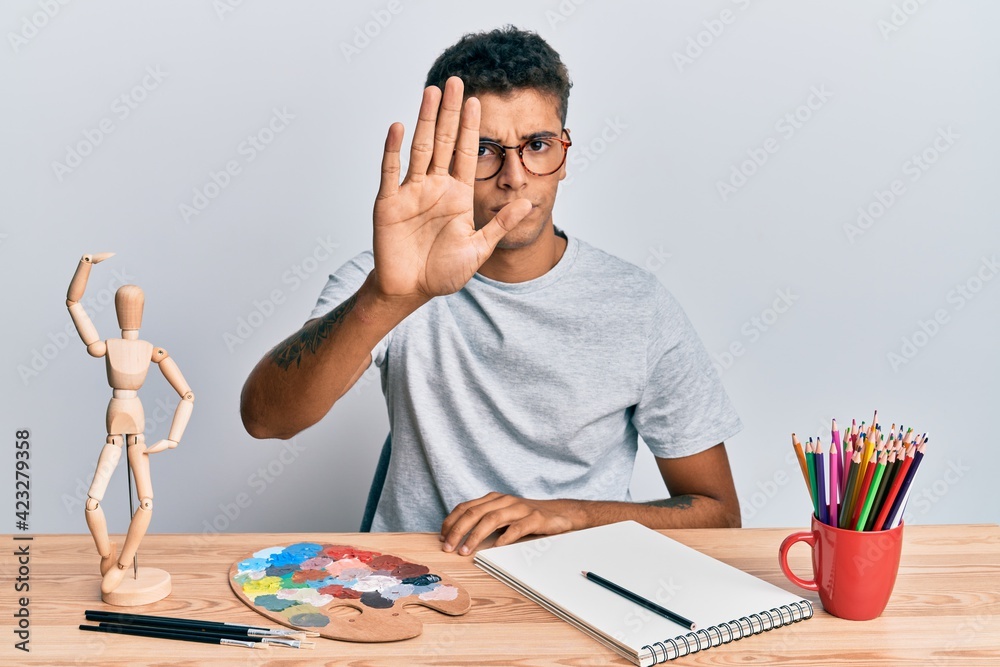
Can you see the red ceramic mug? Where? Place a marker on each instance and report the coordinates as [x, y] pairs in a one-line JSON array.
[[854, 571]]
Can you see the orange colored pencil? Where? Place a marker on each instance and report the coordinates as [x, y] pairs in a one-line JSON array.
[[863, 491], [863, 448], [800, 455]]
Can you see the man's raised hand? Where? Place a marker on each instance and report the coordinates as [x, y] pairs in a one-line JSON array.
[[426, 243]]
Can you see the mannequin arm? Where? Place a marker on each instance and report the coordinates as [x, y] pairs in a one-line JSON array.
[[183, 412], [77, 286]]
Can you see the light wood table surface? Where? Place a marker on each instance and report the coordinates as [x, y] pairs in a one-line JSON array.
[[945, 608]]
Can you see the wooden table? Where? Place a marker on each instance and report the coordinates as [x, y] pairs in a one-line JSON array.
[[945, 608]]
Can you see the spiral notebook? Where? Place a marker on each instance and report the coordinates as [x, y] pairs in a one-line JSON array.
[[725, 603]]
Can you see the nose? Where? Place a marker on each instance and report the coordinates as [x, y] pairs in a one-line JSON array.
[[512, 175]]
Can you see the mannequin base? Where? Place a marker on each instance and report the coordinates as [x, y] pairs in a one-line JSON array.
[[152, 585]]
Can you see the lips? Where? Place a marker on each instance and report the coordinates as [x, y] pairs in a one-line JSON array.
[[497, 209]]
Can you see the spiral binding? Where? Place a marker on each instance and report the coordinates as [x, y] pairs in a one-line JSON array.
[[742, 627]]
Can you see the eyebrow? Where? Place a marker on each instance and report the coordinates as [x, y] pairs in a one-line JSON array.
[[542, 134]]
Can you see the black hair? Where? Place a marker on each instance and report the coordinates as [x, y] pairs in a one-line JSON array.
[[502, 61]]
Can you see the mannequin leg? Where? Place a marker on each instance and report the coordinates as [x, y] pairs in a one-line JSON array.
[[139, 461], [96, 522]]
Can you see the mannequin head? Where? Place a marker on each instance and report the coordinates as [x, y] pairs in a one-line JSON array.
[[129, 301]]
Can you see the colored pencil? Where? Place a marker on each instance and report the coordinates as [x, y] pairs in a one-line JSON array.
[[893, 492], [639, 600], [821, 485], [880, 492], [834, 482], [872, 489], [893, 468], [801, 456], [852, 474], [870, 441], [811, 464], [861, 448], [862, 491], [896, 513]]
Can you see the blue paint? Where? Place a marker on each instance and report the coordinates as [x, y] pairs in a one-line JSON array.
[[422, 580], [375, 600], [280, 570], [252, 564], [273, 602]]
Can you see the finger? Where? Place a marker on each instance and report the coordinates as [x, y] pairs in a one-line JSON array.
[[423, 135], [529, 525], [460, 509], [492, 521], [468, 519], [467, 149], [506, 219], [101, 256], [389, 185], [446, 131]]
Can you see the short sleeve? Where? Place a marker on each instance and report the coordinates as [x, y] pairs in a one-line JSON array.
[[341, 285], [684, 408]]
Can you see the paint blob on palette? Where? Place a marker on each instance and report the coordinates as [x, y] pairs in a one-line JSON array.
[[298, 584]]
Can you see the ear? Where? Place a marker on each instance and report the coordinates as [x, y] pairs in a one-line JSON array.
[[562, 169]]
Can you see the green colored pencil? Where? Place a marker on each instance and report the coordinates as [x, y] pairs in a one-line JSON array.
[[870, 498], [812, 476]]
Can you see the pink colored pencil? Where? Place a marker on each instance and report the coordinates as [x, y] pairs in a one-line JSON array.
[[834, 481]]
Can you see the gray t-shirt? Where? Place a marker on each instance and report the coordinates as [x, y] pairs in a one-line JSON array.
[[537, 389]]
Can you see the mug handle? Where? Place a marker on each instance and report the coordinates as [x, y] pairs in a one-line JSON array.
[[810, 539]]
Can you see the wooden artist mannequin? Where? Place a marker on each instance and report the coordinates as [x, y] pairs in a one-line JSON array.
[[128, 360]]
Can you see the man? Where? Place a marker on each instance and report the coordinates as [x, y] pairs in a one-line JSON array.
[[518, 363]]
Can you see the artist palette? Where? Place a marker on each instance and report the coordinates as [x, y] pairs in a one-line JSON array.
[[300, 585]]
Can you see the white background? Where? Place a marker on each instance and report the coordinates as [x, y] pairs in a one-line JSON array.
[[654, 136]]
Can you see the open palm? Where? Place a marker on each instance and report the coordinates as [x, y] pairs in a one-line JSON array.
[[426, 243]]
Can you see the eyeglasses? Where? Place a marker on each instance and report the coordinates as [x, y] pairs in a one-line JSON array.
[[540, 157]]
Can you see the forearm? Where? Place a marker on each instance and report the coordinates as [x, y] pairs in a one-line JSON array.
[[687, 511], [84, 326], [298, 381]]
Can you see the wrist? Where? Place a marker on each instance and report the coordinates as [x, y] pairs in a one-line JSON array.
[[578, 512], [377, 304]]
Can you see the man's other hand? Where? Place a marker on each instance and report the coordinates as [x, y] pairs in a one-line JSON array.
[[477, 519]]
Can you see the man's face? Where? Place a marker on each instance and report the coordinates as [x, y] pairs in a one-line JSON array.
[[510, 120]]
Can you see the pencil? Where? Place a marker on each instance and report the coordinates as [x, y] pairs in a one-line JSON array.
[[800, 455], [834, 481], [180, 635], [862, 493], [880, 492], [811, 463], [858, 474], [821, 485], [893, 492], [852, 481], [835, 434], [639, 600], [870, 496], [896, 513]]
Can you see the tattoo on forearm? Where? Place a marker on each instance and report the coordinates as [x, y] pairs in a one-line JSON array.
[[677, 502], [290, 350]]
